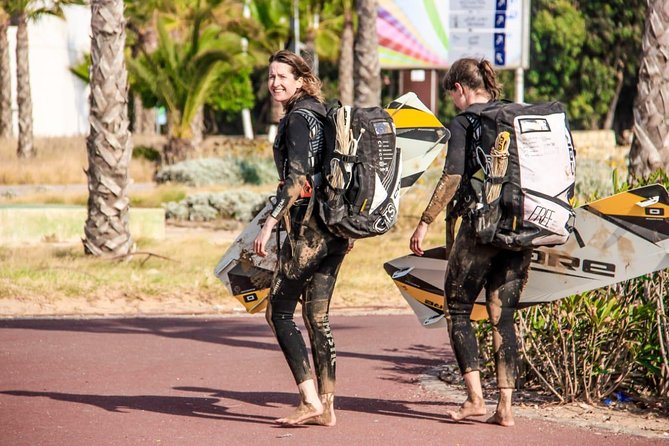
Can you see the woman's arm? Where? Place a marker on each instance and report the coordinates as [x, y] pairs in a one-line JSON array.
[[447, 185], [297, 164], [297, 159]]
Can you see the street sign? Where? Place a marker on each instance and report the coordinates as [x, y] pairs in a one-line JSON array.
[[432, 33]]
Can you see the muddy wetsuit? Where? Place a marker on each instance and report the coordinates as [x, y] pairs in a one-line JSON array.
[[310, 257], [473, 265]]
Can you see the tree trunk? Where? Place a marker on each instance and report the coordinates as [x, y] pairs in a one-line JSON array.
[[346, 61], [650, 147], [367, 67], [197, 129], [176, 149], [23, 97], [107, 232], [145, 118], [310, 53], [276, 113], [5, 81], [620, 79]]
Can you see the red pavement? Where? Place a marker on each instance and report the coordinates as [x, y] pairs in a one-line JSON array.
[[221, 381]]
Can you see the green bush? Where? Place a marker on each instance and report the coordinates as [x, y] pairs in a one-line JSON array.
[[222, 171], [585, 347], [147, 153], [208, 206]]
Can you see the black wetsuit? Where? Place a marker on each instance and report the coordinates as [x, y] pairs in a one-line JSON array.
[[473, 265], [311, 256]]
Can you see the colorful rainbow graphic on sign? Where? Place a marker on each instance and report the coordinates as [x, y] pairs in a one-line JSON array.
[[412, 34], [425, 34]]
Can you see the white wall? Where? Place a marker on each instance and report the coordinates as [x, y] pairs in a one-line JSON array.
[[60, 100]]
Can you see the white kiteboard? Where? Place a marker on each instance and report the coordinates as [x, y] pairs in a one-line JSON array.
[[420, 136], [616, 238]]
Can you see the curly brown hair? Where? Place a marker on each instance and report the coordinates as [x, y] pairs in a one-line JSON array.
[[311, 84]]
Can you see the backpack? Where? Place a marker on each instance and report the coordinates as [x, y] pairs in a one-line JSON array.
[[357, 189], [534, 207]]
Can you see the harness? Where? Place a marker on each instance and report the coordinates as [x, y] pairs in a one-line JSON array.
[[314, 177]]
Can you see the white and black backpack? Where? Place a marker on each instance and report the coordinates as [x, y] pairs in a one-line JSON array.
[[535, 204], [357, 190]]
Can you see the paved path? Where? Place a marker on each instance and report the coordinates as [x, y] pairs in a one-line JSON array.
[[221, 381]]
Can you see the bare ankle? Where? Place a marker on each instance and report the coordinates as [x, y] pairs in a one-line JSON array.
[[327, 418]]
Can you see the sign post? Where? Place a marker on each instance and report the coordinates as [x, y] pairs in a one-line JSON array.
[[433, 34]]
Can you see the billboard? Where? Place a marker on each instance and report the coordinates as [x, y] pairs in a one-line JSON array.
[[434, 33]]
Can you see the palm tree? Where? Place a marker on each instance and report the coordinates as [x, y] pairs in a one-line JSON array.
[[141, 25], [184, 73], [5, 79], [269, 31], [367, 69], [346, 84], [23, 11], [23, 96], [650, 148], [107, 232]]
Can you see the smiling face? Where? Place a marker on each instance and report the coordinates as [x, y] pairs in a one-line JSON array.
[[282, 84]]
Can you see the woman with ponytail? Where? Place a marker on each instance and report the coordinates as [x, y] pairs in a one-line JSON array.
[[472, 84]]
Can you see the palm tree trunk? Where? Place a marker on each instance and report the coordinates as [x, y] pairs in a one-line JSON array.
[[197, 129], [346, 60], [650, 147], [177, 149], [23, 97], [107, 231], [367, 67], [179, 140], [276, 113], [620, 80], [145, 118], [5, 81]]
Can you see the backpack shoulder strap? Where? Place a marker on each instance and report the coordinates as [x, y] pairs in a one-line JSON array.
[[316, 140]]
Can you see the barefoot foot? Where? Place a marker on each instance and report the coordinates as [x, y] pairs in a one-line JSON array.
[[503, 419], [327, 418], [469, 408], [304, 412]]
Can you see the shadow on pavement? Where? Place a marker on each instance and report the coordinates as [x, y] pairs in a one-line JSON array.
[[172, 405], [233, 333], [213, 406]]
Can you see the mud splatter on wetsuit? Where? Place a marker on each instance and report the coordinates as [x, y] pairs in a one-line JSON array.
[[472, 265], [310, 264]]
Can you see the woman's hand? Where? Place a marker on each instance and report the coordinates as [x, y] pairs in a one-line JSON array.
[[263, 236], [417, 238]]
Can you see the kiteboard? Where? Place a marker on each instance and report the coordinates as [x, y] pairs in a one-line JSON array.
[[420, 136], [616, 238]]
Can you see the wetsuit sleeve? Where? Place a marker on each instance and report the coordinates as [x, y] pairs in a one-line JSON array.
[[297, 164], [454, 169]]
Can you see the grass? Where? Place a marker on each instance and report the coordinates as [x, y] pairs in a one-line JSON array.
[[58, 161], [52, 273], [182, 269], [39, 279]]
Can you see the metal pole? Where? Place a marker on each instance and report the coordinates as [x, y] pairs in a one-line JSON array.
[[520, 85], [317, 22], [525, 54], [296, 26], [246, 113]]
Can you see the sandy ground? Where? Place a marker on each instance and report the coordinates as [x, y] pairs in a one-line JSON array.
[[625, 419]]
